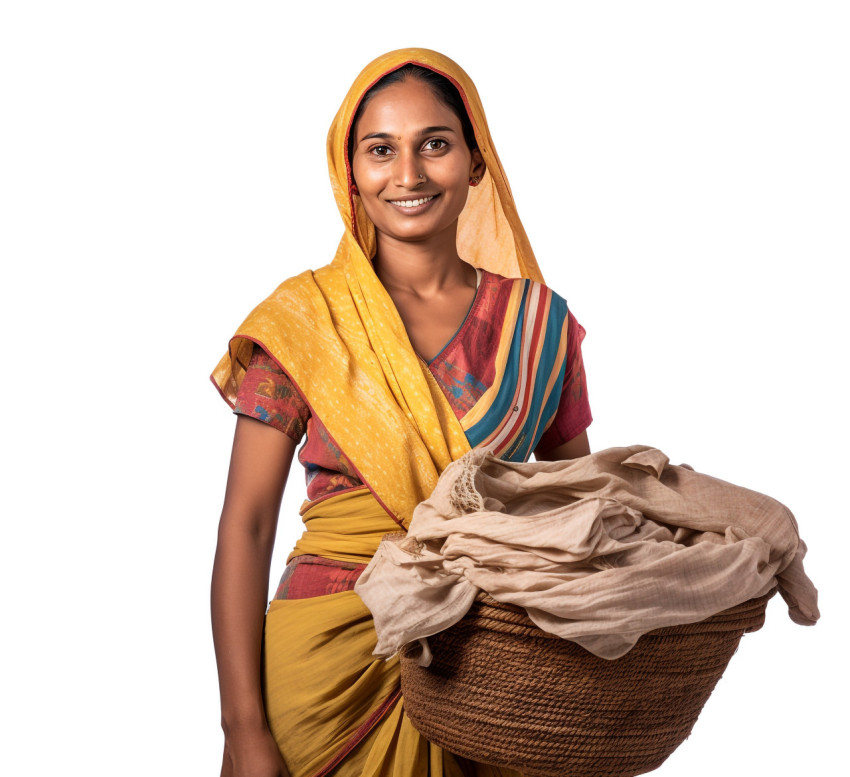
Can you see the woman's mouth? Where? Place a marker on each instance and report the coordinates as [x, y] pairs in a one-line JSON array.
[[412, 206]]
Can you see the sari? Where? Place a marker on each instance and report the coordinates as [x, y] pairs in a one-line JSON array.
[[331, 705]]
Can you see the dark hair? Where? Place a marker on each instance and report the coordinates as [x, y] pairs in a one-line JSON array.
[[443, 89]]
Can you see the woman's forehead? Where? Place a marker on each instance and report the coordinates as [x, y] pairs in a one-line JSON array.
[[405, 108]]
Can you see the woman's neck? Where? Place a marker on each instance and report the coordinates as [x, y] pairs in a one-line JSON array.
[[422, 269]]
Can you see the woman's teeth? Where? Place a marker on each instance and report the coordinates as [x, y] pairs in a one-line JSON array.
[[412, 203]]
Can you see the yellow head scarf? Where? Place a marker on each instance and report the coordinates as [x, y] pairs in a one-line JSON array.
[[338, 335]]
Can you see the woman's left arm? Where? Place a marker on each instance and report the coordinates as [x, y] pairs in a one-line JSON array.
[[572, 449]]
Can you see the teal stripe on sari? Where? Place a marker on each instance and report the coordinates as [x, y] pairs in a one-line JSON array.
[[538, 407]]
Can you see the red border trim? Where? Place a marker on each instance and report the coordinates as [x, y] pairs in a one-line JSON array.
[[358, 736]]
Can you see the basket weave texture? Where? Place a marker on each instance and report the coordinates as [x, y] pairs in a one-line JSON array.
[[502, 691]]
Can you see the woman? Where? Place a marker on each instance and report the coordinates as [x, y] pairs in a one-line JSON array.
[[430, 333]]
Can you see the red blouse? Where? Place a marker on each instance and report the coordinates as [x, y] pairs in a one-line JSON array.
[[464, 370]]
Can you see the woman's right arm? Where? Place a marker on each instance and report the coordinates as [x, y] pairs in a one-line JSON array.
[[259, 466]]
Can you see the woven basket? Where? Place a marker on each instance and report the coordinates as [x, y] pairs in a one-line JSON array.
[[501, 691]]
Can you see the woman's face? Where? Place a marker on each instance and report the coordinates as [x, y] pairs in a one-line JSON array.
[[410, 162]]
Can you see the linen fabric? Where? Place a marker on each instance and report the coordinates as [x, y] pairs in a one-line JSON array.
[[598, 550]]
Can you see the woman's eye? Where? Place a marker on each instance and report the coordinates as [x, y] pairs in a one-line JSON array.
[[436, 144], [381, 150]]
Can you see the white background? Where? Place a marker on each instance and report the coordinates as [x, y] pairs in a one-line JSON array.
[[682, 171]]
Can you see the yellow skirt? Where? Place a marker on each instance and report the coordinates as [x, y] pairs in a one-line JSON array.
[[332, 707]]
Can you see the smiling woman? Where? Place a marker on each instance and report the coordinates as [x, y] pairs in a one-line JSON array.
[[412, 169], [409, 151], [429, 334]]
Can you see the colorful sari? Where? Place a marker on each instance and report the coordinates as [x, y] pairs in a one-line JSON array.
[[333, 707]]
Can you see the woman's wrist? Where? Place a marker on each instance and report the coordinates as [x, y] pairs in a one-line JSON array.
[[249, 720]]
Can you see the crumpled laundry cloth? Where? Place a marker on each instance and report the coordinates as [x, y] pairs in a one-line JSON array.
[[598, 550]]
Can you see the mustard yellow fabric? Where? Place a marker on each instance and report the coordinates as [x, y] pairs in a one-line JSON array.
[[320, 679], [345, 527], [333, 707], [338, 335]]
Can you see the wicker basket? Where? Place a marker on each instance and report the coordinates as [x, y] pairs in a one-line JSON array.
[[502, 691]]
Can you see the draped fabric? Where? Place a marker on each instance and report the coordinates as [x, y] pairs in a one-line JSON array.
[[464, 368], [511, 416], [598, 550], [331, 705]]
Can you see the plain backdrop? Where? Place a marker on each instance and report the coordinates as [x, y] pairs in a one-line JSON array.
[[682, 171]]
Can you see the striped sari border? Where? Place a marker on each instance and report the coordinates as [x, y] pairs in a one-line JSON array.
[[510, 417]]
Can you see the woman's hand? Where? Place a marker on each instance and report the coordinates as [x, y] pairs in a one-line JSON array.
[[252, 754]]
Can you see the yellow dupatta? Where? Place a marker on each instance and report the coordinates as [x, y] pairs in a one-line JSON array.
[[339, 336]]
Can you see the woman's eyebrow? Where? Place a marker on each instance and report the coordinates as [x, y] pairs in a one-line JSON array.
[[429, 130], [388, 136]]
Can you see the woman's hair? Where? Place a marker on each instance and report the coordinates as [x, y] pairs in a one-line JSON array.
[[443, 89]]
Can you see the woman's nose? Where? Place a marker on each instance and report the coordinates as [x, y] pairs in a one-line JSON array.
[[407, 169]]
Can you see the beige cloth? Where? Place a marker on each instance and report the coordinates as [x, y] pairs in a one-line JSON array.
[[598, 550]]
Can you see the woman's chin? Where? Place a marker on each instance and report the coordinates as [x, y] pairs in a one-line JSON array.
[[411, 229]]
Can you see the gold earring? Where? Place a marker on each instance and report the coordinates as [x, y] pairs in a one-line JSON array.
[[474, 181]]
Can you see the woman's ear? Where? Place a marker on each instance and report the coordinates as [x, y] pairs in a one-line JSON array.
[[477, 168]]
